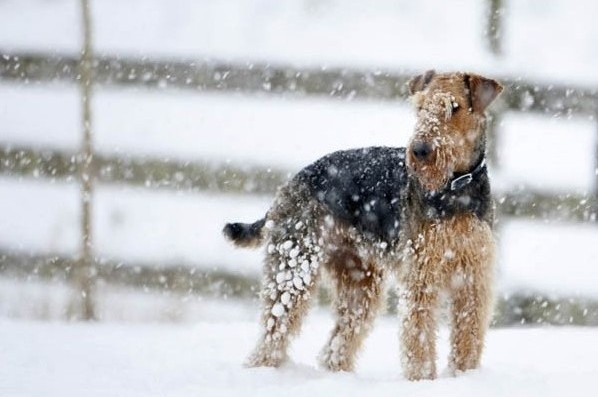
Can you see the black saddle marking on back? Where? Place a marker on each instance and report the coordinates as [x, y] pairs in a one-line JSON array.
[[367, 188]]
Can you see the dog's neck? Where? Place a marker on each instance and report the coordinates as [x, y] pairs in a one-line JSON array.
[[462, 179], [464, 193]]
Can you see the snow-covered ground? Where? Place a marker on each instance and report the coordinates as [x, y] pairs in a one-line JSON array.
[[204, 359]]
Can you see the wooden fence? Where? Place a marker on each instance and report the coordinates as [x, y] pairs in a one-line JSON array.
[[257, 79], [261, 79]]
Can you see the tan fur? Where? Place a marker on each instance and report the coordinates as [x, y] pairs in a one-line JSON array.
[[434, 259], [453, 256], [448, 257], [290, 272], [358, 292], [452, 131]]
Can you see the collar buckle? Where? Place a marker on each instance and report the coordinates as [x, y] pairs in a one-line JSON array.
[[461, 182], [464, 180]]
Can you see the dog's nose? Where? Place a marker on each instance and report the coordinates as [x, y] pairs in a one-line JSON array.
[[421, 150]]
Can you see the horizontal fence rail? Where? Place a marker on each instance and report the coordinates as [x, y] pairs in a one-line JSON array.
[[518, 308], [146, 172], [167, 276], [520, 95], [229, 179]]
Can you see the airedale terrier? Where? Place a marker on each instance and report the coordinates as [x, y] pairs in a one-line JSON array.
[[423, 212]]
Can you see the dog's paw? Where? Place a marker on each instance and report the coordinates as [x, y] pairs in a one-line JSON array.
[[421, 373], [332, 361], [265, 359]]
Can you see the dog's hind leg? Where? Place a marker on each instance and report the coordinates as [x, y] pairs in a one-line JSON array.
[[290, 274], [358, 293]]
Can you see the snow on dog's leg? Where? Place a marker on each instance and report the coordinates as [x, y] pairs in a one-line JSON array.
[[358, 290], [291, 269]]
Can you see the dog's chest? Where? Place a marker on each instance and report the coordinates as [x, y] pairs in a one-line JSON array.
[[459, 241]]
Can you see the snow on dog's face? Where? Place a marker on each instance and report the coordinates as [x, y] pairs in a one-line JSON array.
[[449, 133]]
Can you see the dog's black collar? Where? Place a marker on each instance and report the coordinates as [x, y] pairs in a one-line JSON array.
[[464, 193], [459, 182]]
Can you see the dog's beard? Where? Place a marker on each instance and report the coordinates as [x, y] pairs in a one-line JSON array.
[[433, 175]]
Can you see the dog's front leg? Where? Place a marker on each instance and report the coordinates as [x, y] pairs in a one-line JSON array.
[[471, 295], [419, 324]]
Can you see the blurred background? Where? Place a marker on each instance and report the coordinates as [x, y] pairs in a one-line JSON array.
[[132, 130]]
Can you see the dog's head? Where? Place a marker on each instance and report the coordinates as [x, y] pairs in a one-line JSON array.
[[449, 133]]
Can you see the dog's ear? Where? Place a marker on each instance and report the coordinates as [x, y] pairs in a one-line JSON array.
[[482, 91], [418, 83]]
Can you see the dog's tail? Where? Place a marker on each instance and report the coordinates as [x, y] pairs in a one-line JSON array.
[[248, 235]]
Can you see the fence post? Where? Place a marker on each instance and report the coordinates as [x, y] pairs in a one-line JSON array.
[[594, 214], [492, 126], [493, 26], [85, 273]]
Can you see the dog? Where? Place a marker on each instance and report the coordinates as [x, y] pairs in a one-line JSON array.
[[423, 213]]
